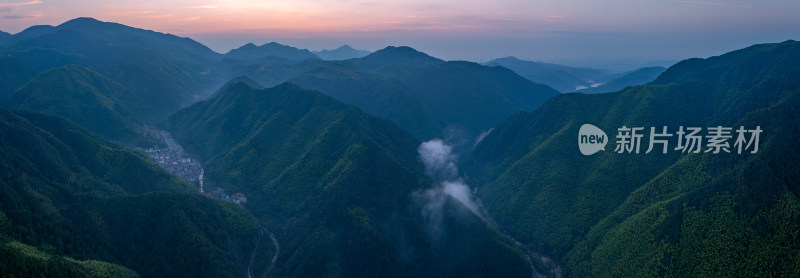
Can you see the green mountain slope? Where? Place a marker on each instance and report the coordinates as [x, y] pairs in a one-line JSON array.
[[242, 78], [165, 71], [336, 186], [382, 96], [269, 71], [164, 44], [674, 214], [474, 97], [164, 83], [13, 74], [21, 260], [428, 97], [89, 99], [68, 193]]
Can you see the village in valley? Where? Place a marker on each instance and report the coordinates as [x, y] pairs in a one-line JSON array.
[[175, 161]]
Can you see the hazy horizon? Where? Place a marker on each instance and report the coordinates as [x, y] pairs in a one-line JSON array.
[[614, 35]]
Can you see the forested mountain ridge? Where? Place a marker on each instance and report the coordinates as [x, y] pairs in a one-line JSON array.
[[69, 193], [428, 97], [654, 214], [165, 71], [338, 161], [89, 99], [335, 184]]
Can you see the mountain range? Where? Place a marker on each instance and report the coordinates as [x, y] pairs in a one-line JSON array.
[[673, 214], [425, 95], [335, 184], [165, 71], [571, 79], [391, 164]]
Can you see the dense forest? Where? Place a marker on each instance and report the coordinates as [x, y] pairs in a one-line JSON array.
[[676, 214], [74, 203], [385, 164]]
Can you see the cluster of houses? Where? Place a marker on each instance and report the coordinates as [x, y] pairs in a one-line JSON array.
[[177, 163], [173, 159]]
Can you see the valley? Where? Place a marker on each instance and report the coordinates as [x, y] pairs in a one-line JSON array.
[[134, 153], [179, 164]]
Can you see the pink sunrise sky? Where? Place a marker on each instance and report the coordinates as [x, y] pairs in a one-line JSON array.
[[467, 29]]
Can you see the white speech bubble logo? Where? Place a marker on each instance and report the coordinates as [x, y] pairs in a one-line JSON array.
[[591, 139]]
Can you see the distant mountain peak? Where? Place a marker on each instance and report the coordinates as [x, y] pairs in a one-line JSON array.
[[400, 53], [343, 52], [404, 50], [121, 35], [243, 79], [235, 84], [32, 32], [509, 58], [252, 52], [88, 22], [83, 20], [278, 45], [401, 49]]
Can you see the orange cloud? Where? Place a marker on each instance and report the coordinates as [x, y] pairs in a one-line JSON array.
[[21, 3]]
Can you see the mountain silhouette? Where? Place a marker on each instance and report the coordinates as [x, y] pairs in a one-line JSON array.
[[344, 52], [252, 52]]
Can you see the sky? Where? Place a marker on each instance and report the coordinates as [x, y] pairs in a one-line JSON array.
[[612, 34]]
